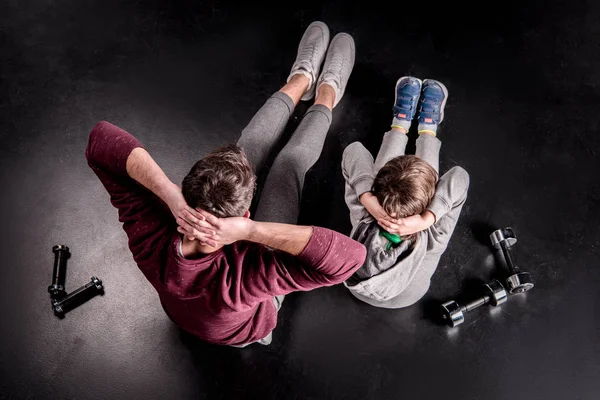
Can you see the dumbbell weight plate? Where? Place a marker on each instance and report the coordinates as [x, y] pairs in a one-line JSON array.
[[452, 313], [519, 283], [497, 293], [506, 235]]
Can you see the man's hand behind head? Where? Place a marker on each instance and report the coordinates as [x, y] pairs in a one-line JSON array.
[[203, 226]]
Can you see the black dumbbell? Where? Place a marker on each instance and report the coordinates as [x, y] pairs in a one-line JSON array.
[[454, 314], [518, 282], [57, 288], [73, 299]]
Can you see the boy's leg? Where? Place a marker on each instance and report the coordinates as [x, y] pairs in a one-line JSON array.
[[263, 132], [393, 145], [428, 149], [281, 196], [407, 93], [430, 115]]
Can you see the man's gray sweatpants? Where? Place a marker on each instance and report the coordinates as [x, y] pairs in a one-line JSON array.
[[282, 191], [281, 195]]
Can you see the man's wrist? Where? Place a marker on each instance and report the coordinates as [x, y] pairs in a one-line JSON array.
[[252, 231], [167, 191]]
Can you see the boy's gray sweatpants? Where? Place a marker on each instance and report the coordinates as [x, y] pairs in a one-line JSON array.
[[281, 195], [282, 191]]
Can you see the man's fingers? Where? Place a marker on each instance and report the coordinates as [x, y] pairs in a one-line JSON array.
[[209, 217], [193, 216], [204, 241], [199, 224], [198, 232]]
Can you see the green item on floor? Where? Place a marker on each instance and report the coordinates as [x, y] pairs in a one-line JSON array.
[[393, 238]]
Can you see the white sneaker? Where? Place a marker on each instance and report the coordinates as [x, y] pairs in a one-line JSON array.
[[311, 53], [338, 65]]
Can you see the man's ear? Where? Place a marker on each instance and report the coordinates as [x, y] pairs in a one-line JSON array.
[[247, 214]]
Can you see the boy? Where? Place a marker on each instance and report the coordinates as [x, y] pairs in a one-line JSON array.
[[398, 209]]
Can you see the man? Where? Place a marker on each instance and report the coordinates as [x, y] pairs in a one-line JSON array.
[[223, 276]]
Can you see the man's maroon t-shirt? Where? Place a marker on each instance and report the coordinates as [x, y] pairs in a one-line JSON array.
[[225, 297]]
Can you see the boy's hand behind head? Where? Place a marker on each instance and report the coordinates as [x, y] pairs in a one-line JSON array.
[[408, 225], [371, 204]]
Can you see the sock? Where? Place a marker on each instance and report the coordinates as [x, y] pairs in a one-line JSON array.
[[401, 123], [428, 128], [301, 71]]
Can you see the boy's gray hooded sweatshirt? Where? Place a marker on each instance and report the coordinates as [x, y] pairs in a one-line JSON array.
[[401, 276]]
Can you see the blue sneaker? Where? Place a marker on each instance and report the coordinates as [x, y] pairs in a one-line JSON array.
[[432, 103], [408, 90]]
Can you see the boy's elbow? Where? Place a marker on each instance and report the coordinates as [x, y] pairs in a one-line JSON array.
[[461, 176]]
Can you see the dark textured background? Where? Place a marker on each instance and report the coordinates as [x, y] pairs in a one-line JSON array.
[[185, 76]]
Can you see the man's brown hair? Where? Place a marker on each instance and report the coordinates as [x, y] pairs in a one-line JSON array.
[[221, 183], [404, 186]]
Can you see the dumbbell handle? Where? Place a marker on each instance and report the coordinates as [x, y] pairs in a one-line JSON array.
[[510, 262], [61, 253], [475, 303], [75, 294]]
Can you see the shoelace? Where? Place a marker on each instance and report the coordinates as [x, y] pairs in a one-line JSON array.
[[334, 71], [306, 55]]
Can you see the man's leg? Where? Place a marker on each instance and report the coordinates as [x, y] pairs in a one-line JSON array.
[[407, 93], [280, 200], [281, 197], [265, 129]]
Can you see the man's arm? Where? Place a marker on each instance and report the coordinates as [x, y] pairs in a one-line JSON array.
[[291, 239], [308, 257], [120, 162], [288, 238]]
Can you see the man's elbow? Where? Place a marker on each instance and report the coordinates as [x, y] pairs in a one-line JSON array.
[[353, 259]]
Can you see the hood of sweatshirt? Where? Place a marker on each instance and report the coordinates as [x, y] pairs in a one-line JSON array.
[[384, 274]]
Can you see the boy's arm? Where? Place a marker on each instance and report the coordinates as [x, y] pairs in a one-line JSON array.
[[357, 168], [450, 192]]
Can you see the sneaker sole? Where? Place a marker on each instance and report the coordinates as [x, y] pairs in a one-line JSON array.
[[310, 94], [396, 91], [445, 90]]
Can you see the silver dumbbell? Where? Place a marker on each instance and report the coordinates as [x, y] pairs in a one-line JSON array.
[[454, 314], [518, 282]]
